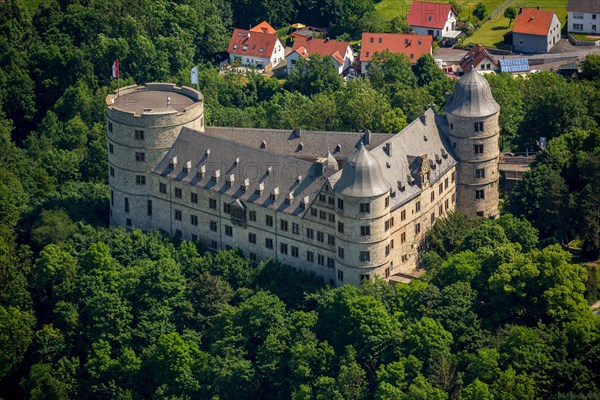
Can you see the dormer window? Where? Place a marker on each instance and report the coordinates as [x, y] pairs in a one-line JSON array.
[[173, 163], [380, 39], [235, 46], [245, 47], [367, 55], [372, 39], [187, 167], [201, 171], [216, 176], [261, 50], [429, 18]]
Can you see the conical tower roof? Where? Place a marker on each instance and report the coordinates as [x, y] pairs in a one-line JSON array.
[[361, 175], [472, 97]]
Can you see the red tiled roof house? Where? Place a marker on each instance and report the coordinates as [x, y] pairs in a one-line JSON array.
[[435, 19], [412, 46], [255, 48], [340, 52], [535, 31], [480, 59]]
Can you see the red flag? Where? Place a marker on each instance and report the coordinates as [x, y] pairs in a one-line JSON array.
[[115, 69]]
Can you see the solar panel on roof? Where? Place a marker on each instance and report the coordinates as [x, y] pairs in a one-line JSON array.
[[514, 65]]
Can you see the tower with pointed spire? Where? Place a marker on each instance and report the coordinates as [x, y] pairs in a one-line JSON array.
[[473, 129]]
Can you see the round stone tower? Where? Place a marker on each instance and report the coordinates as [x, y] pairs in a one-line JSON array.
[[473, 129], [362, 205], [142, 124]]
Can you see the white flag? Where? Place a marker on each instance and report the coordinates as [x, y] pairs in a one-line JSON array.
[[194, 76]]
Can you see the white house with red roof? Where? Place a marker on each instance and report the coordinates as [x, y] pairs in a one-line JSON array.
[[340, 52], [480, 59], [435, 19], [256, 47], [411, 45], [535, 30]]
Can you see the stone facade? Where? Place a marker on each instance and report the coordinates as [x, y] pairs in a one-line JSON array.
[[355, 214]]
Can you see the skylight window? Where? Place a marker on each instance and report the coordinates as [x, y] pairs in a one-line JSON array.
[[262, 50], [245, 47], [235, 46]]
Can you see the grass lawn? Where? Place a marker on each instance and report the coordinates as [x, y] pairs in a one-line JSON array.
[[388, 9], [491, 33]]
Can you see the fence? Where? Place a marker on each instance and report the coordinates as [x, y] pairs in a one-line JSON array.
[[500, 9]]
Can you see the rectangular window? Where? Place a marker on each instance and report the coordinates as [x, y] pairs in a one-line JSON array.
[[432, 218], [331, 217], [194, 197], [432, 196], [139, 156], [228, 230], [227, 208], [446, 183], [162, 187], [194, 220], [364, 256], [340, 227], [440, 209], [128, 221], [365, 207], [387, 250], [418, 206], [213, 226], [295, 251], [341, 252], [330, 262], [139, 135], [331, 240], [178, 193], [320, 259], [331, 201], [480, 173], [313, 212], [578, 15], [479, 194], [453, 176], [320, 236], [478, 148], [212, 203], [177, 215], [149, 208], [310, 233], [111, 171], [126, 204], [112, 198], [322, 198], [269, 220], [269, 243], [252, 215], [446, 205], [295, 228], [110, 127], [252, 256], [310, 256], [365, 230], [214, 244], [453, 198], [480, 213], [340, 204], [284, 225], [252, 237], [111, 148], [417, 229], [403, 237], [441, 188], [387, 201], [402, 215], [340, 275], [194, 237], [283, 248], [322, 214]]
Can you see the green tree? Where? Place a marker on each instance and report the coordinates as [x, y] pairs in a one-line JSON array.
[[314, 75], [16, 331], [480, 11], [54, 226], [477, 390], [511, 14], [352, 378]]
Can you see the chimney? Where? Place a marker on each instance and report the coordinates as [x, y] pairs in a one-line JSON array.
[[388, 148], [237, 161], [423, 119], [207, 152], [520, 10], [296, 132], [263, 145], [320, 165], [367, 137]]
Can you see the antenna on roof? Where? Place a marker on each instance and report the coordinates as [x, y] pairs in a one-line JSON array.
[[168, 101]]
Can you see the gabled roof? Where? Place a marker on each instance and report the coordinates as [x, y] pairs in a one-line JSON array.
[[584, 6], [264, 27], [323, 47], [398, 43], [429, 15], [245, 42], [532, 21], [475, 56]]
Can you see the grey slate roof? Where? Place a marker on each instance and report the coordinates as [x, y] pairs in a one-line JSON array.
[[586, 6], [314, 143], [472, 97], [361, 175], [252, 163], [406, 149]]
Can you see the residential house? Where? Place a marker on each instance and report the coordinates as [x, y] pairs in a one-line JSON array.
[[583, 16], [480, 59], [255, 48], [340, 52], [535, 30], [435, 19], [264, 27], [412, 46]]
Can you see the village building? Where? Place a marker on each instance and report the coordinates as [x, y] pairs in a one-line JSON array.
[[535, 31], [435, 19], [480, 59], [256, 47], [347, 206], [583, 16], [411, 45], [341, 53]]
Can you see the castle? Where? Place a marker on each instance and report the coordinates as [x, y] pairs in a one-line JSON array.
[[346, 205]]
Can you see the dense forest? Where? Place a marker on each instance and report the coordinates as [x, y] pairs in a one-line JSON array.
[[88, 311]]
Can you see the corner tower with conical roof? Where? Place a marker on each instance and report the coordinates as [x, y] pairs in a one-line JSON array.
[[363, 206], [473, 129]]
